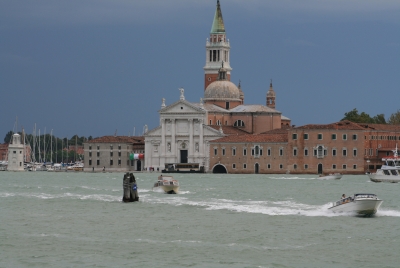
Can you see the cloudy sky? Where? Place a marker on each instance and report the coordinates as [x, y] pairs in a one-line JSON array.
[[94, 67]]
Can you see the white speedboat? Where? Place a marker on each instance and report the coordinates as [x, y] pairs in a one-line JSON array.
[[332, 176], [167, 184], [361, 204], [389, 172]]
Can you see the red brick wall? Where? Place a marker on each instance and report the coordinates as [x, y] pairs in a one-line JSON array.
[[274, 160], [329, 159]]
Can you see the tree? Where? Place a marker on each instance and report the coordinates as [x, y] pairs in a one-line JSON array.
[[380, 119], [8, 136], [355, 117], [394, 118]]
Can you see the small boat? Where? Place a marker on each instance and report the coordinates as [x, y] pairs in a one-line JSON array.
[[167, 184], [389, 172], [332, 176], [385, 175], [361, 204], [78, 166]]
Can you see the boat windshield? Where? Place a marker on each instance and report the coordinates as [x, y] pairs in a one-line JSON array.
[[359, 196]]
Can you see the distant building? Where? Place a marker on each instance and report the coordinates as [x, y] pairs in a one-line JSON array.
[[250, 153], [3, 152], [187, 129], [182, 137], [16, 154], [114, 153], [326, 148]]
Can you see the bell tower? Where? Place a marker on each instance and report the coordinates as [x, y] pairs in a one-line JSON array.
[[217, 50], [271, 96]]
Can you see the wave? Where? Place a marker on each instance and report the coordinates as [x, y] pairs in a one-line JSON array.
[[388, 213], [97, 197], [290, 178], [272, 208]]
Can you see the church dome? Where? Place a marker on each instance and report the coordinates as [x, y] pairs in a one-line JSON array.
[[222, 90]]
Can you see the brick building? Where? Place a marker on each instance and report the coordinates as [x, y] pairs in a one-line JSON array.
[[326, 148], [250, 153]]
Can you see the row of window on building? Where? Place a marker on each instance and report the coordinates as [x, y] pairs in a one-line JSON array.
[[345, 137], [257, 151], [295, 166], [98, 154], [111, 162], [111, 148], [320, 136]]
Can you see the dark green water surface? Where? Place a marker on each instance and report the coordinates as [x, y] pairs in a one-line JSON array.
[[78, 220]]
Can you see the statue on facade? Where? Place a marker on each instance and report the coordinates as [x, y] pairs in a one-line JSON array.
[[182, 96]]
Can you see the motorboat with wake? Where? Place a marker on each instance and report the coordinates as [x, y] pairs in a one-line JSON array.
[[361, 204], [389, 172], [167, 184], [332, 176]]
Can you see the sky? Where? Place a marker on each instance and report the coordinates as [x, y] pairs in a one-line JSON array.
[[102, 67]]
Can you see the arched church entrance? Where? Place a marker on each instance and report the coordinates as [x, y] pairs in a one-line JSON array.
[[219, 169], [256, 168], [319, 168]]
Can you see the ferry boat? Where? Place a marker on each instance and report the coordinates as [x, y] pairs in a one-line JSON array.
[[390, 171], [167, 184], [183, 168], [361, 204]]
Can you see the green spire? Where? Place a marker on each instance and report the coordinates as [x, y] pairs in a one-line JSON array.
[[218, 23]]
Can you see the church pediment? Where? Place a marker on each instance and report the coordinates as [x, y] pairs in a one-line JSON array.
[[154, 132], [182, 106]]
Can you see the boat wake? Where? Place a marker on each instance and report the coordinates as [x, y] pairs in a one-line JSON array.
[[388, 213], [272, 208], [72, 196], [290, 178]]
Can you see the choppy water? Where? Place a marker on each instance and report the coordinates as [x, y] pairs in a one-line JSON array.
[[77, 220]]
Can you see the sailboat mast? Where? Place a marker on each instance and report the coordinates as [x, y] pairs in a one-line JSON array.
[[40, 154], [51, 146], [67, 151], [44, 145], [34, 144], [56, 150], [76, 145]]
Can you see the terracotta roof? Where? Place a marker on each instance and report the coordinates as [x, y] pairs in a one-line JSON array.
[[252, 138], [383, 127], [211, 107], [229, 130], [116, 139], [253, 109], [342, 125], [283, 130]]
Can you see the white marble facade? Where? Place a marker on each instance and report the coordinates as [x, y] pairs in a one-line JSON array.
[[182, 128]]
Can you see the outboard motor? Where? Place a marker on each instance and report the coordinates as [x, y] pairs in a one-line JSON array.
[[130, 188]]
